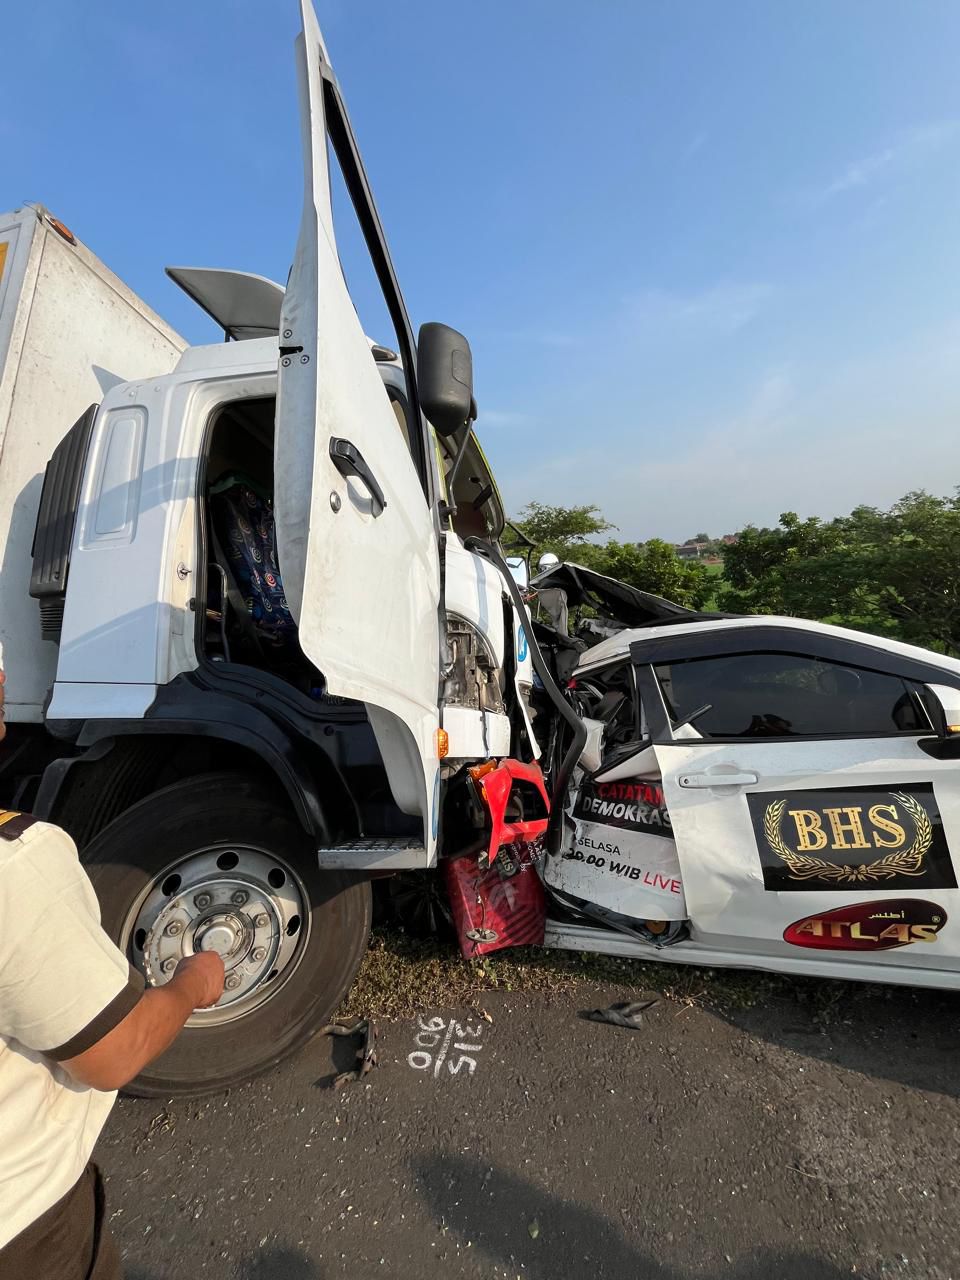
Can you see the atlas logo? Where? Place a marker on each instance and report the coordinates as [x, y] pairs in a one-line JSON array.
[[869, 926]]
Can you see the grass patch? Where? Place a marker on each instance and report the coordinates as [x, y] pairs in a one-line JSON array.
[[401, 975]]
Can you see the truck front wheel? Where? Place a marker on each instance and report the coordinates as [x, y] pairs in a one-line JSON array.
[[218, 863]]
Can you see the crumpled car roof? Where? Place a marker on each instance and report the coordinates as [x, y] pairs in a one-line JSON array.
[[625, 604]]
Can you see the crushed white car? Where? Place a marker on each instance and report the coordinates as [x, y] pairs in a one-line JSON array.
[[762, 792]]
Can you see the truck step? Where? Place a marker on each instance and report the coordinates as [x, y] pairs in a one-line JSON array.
[[375, 853]]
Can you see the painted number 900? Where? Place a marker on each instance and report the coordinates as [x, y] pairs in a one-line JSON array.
[[437, 1040]]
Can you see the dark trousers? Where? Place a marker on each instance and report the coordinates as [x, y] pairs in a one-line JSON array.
[[68, 1242]]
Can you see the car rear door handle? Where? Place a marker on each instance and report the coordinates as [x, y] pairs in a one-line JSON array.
[[700, 781], [349, 461]]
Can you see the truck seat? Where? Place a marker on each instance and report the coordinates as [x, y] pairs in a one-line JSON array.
[[244, 543]]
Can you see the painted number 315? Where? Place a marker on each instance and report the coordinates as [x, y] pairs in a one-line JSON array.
[[438, 1041]]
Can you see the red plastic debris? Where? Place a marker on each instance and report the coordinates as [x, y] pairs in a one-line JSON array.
[[495, 788]]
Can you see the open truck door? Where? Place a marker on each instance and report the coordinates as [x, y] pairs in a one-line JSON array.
[[815, 816], [356, 525]]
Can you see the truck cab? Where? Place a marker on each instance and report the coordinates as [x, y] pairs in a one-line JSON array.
[[283, 627]]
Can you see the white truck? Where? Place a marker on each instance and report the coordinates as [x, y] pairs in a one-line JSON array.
[[243, 713]]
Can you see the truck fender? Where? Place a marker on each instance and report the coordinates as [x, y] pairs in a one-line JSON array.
[[285, 754]]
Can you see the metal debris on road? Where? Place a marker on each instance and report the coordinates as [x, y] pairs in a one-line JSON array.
[[364, 1029], [624, 1013]]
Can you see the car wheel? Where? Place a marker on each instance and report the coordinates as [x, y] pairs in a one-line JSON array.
[[219, 863]]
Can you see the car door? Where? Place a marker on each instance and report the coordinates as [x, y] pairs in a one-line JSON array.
[[618, 851], [810, 822], [356, 532]]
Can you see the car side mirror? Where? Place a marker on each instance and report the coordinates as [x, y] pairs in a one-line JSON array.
[[445, 378], [943, 705]]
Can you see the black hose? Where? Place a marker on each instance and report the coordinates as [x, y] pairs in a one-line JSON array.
[[579, 729]]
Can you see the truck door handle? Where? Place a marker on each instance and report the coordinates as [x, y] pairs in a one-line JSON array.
[[701, 781], [349, 461]]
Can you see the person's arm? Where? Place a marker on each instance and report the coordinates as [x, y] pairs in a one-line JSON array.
[[65, 990], [151, 1026]]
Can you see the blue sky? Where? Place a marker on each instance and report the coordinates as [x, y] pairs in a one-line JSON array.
[[707, 254]]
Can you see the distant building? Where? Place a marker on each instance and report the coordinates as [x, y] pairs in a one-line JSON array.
[[708, 550], [692, 550]]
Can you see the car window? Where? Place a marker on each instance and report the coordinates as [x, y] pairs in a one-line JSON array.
[[764, 695]]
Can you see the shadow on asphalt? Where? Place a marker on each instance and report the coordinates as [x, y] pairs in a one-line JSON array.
[[905, 1035], [571, 1241], [270, 1264], [280, 1264], [343, 1057]]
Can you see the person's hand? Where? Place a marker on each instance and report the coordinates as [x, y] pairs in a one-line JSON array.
[[204, 973]]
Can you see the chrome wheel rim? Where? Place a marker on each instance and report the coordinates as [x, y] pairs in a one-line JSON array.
[[243, 902]]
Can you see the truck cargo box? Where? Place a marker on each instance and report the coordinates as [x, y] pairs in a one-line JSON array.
[[69, 330]]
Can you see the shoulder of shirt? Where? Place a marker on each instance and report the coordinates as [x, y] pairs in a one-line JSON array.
[[14, 825], [17, 828]]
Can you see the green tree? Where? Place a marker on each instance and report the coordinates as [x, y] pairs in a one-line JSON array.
[[652, 566], [893, 572], [560, 529]]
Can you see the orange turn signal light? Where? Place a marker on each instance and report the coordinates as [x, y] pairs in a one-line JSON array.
[[443, 744], [479, 771]]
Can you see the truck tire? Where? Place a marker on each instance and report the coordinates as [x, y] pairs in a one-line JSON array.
[[217, 862]]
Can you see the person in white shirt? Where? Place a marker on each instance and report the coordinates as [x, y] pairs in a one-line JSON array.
[[76, 1025]]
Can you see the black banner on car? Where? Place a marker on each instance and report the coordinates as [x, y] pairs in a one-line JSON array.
[[841, 838], [632, 805]]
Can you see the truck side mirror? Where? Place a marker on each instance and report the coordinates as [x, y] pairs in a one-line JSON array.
[[445, 378], [518, 571]]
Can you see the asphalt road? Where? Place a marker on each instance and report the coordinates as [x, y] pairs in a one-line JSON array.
[[751, 1145]]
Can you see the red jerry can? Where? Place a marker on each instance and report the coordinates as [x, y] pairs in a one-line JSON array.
[[498, 899]]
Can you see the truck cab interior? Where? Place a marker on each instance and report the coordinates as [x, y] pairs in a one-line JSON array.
[[246, 619]]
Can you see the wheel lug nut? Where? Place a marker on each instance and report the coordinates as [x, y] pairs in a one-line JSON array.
[[232, 981], [202, 901], [239, 898], [262, 920], [173, 928], [168, 966], [258, 954]]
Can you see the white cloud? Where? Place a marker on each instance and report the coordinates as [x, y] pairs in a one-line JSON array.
[[723, 309], [697, 143], [904, 149], [540, 337], [503, 418], [816, 441]]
